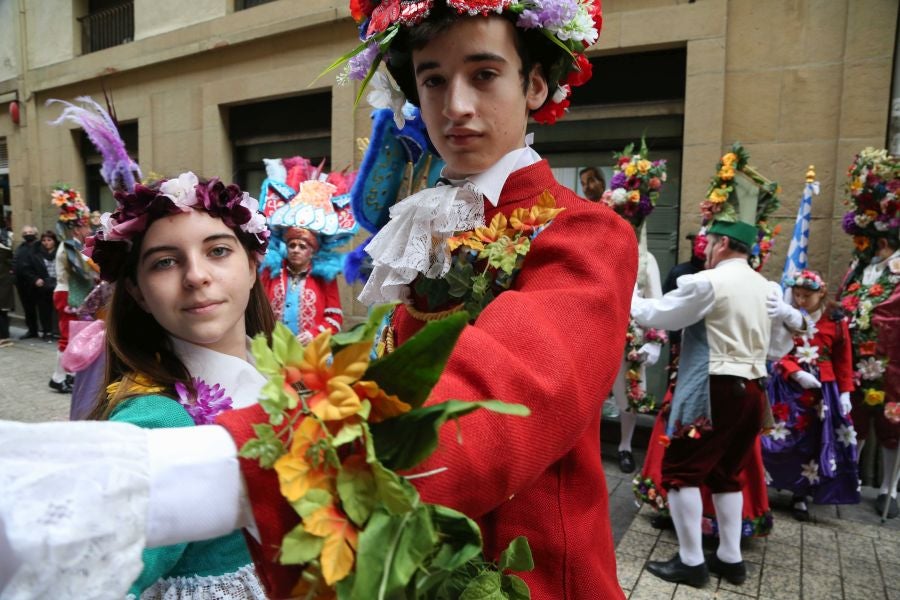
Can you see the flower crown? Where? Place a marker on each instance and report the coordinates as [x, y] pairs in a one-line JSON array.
[[873, 188], [806, 279], [635, 185], [72, 209], [572, 25], [137, 209]]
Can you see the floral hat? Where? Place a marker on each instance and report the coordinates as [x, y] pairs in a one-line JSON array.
[[635, 184], [137, 209], [73, 212], [806, 279], [571, 25], [873, 187], [738, 204]]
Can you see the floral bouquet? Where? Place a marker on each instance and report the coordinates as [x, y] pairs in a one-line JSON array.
[[72, 209], [736, 183], [638, 398], [636, 184], [340, 428], [873, 186], [485, 261]]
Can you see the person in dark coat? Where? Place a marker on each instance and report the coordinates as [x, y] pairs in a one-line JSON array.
[[21, 260], [40, 272], [7, 299]]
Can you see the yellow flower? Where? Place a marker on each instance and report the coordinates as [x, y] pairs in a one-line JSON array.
[[634, 196], [718, 195], [874, 397], [527, 220], [644, 165], [726, 173], [296, 475], [856, 184], [341, 540], [630, 169], [330, 378], [729, 159], [494, 231], [861, 242], [466, 238]]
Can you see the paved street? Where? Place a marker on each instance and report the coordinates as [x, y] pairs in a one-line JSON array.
[[843, 553]]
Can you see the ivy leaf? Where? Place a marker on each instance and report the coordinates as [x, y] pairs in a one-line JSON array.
[[514, 588], [357, 489], [480, 285], [391, 550], [364, 332], [517, 556], [406, 440], [459, 279], [484, 587], [299, 547], [414, 367], [265, 446]]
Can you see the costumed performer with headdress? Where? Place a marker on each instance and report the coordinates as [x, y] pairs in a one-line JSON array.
[[534, 337], [811, 449], [634, 189], [871, 296], [75, 274], [733, 320]]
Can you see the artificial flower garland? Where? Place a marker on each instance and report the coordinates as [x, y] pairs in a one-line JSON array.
[[874, 206], [639, 400], [72, 209]]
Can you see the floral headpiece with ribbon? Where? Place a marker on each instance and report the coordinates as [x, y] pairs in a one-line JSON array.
[[738, 204], [571, 25], [806, 279], [137, 209], [73, 212], [873, 188], [635, 185]]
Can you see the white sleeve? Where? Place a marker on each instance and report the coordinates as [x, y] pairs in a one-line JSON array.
[[781, 338], [685, 305], [654, 283]]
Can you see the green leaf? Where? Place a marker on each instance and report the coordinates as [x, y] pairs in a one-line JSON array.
[[357, 490], [347, 434], [406, 440], [459, 542], [364, 332], [517, 556], [484, 587], [480, 285], [392, 548], [300, 547], [459, 279], [397, 494], [415, 366], [514, 588], [312, 501], [265, 446], [263, 356]]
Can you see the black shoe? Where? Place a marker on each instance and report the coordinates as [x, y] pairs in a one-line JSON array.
[[626, 461], [63, 387], [70, 379], [47, 337], [734, 573], [677, 572], [29, 335], [893, 509], [661, 522], [801, 513]]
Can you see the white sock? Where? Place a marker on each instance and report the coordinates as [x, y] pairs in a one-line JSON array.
[[59, 374], [627, 419], [686, 507], [887, 472], [729, 509]]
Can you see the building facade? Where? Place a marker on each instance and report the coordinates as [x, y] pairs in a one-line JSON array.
[[216, 85]]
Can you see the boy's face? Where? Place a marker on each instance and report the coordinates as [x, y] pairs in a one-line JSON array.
[[592, 185], [469, 82]]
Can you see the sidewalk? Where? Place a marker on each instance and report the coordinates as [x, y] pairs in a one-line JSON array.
[[843, 553]]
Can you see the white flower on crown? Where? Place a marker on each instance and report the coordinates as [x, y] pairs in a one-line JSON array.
[[619, 196], [257, 222], [580, 29], [383, 93], [181, 191], [562, 92]]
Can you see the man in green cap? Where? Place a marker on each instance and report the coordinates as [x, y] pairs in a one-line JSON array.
[[733, 320]]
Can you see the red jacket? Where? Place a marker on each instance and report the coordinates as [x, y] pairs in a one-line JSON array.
[[835, 353], [554, 343], [321, 304]]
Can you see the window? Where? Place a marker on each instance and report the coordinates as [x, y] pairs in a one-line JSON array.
[[108, 23], [96, 193], [295, 126], [242, 4]]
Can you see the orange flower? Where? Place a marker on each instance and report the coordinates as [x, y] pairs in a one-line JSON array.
[[296, 475], [853, 287], [466, 238], [876, 290], [341, 540], [729, 159], [726, 173], [492, 232], [867, 349], [527, 220], [861, 242], [330, 378], [384, 405]]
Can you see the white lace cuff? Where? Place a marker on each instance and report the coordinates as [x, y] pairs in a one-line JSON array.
[[72, 509], [415, 239]]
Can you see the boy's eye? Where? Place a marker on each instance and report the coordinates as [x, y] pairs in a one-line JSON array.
[[432, 81], [485, 75]]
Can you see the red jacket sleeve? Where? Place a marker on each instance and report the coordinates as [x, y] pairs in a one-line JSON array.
[[842, 356]]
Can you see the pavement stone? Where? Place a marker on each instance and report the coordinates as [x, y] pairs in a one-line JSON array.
[[25, 369]]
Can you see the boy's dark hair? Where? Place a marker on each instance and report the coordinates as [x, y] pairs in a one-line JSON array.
[[733, 244], [532, 46]]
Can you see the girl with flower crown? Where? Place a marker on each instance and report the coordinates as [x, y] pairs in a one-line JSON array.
[[812, 449], [183, 253]]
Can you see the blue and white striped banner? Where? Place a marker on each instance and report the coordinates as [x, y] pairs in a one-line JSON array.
[[797, 257]]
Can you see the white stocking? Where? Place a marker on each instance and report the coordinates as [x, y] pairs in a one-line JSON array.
[[729, 509], [59, 374], [627, 418], [888, 486], [686, 507]]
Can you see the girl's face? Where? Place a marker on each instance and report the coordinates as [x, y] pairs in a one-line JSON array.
[[808, 300], [195, 277], [48, 243]]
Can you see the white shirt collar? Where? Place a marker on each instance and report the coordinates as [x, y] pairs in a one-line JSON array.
[[240, 378], [490, 182]]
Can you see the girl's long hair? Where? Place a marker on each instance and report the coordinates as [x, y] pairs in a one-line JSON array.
[[138, 346]]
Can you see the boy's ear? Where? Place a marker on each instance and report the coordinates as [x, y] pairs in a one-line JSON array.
[[537, 90], [135, 292]]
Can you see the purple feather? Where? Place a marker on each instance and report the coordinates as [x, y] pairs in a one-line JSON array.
[[118, 170]]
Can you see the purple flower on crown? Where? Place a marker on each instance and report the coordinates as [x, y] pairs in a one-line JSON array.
[[618, 180], [208, 402], [849, 224], [359, 66], [551, 14]]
